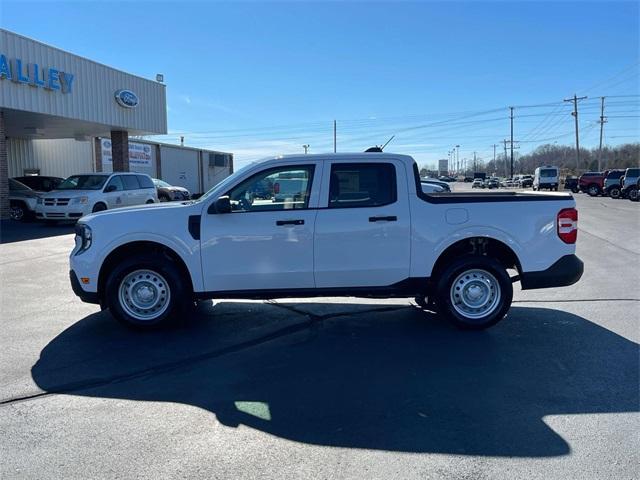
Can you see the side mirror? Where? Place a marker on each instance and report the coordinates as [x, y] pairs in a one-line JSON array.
[[221, 205], [110, 188]]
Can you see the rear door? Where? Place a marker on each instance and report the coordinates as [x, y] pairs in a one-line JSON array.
[[133, 194], [362, 235]]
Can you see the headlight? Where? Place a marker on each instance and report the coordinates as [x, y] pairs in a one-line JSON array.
[[79, 200], [83, 236]]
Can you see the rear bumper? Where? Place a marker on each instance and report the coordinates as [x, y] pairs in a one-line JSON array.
[[87, 297], [566, 271]]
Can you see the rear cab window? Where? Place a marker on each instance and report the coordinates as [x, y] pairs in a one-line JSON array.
[[354, 185]]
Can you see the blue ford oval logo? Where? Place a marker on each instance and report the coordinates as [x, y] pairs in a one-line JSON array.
[[127, 99]]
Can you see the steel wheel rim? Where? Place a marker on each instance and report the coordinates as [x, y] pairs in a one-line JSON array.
[[475, 294], [16, 213], [144, 295]]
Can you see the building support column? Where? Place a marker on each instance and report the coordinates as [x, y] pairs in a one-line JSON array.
[[4, 171], [97, 148], [120, 150]]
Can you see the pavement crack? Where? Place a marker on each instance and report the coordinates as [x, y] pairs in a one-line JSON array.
[[577, 300], [608, 241]]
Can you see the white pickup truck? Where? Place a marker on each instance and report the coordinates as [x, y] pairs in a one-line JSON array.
[[358, 225]]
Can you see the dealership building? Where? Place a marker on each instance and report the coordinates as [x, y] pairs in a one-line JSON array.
[[61, 114]]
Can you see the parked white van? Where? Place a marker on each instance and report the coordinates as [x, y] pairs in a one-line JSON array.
[[546, 177], [80, 195]]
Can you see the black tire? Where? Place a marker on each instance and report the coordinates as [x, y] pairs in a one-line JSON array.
[[633, 194], [178, 292], [164, 198], [454, 273], [18, 212], [593, 190], [149, 201], [575, 190], [615, 192], [99, 207]]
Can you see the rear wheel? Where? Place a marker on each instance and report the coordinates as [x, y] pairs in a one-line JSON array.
[[164, 198], [147, 291], [474, 292], [633, 194]]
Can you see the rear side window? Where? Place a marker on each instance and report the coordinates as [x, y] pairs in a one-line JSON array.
[[614, 175], [130, 182], [362, 185], [633, 172], [145, 182]]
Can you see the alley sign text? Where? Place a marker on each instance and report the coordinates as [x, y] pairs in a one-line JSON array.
[[32, 74]]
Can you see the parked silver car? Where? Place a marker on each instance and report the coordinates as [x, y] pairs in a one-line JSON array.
[[22, 201]]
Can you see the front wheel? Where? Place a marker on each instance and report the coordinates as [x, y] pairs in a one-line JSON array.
[[593, 190], [147, 291], [474, 292], [633, 195], [615, 192], [17, 212]]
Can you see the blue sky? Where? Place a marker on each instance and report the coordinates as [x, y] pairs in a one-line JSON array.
[[265, 78]]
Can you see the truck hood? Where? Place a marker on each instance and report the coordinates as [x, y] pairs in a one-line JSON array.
[[132, 214]]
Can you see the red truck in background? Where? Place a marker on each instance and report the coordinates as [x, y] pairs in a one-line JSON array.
[[592, 182]]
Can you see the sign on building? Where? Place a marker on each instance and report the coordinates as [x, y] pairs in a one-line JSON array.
[[139, 153]]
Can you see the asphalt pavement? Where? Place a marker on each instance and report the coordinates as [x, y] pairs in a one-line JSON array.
[[324, 388]]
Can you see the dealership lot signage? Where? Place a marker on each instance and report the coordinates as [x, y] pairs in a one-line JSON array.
[[139, 153], [33, 74]]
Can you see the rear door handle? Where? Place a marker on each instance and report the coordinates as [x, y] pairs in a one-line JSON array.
[[289, 222], [390, 218]]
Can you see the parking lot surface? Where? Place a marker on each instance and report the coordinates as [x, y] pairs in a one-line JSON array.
[[324, 388]]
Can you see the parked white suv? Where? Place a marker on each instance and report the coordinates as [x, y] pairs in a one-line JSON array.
[[358, 225], [80, 195]]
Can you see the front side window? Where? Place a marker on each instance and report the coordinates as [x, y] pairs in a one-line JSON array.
[[281, 188], [83, 182], [362, 185], [115, 182]]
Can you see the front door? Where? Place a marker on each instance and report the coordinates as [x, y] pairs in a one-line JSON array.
[[362, 237], [266, 242], [114, 193]]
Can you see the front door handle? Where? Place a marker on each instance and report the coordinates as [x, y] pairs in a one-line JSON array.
[[289, 222], [390, 218]]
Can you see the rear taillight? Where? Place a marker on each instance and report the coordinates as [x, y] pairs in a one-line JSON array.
[[568, 225]]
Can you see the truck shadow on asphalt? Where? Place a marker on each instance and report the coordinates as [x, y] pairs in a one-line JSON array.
[[11, 231], [384, 377]]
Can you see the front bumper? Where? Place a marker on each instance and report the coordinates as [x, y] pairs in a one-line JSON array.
[[67, 212], [564, 272], [87, 297]]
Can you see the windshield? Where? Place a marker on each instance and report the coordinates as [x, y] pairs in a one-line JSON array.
[[548, 172], [160, 183], [16, 185], [83, 182]]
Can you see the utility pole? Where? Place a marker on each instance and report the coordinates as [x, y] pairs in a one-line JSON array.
[[505, 156], [511, 117], [602, 122], [334, 137], [306, 147], [458, 157], [575, 115], [475, 164]]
